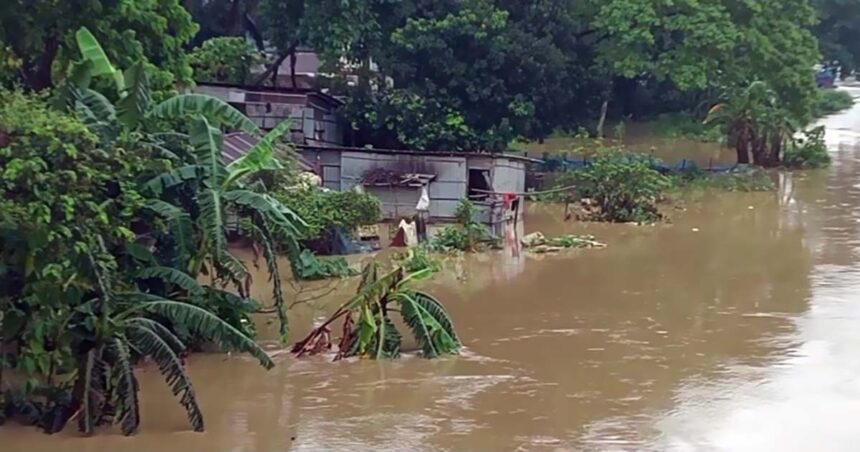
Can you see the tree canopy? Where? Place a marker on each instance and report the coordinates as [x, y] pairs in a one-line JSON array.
[[40, 43], [476, 74]]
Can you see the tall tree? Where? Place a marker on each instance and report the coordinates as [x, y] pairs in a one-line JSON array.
[[39, 36]]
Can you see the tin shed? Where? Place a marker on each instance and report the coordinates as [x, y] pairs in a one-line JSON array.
[[495, 182]]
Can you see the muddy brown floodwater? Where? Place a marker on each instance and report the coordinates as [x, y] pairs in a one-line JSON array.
[[734, 327]]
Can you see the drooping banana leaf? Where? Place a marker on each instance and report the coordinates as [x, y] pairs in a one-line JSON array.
[[92, 51], [216, 111]]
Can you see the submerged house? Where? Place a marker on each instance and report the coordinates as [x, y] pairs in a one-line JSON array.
[[493, 181]]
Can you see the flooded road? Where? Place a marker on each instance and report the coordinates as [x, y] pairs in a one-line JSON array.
[[733, 327]]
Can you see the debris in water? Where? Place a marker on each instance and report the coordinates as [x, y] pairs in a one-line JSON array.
[[695, 229], [538, 243]]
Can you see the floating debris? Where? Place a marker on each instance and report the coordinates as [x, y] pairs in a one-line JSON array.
[[538, 243]]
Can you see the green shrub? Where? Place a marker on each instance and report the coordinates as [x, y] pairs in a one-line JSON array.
[[468, 235], [225, 60], [66, 203], [312, 268], [808, 151], [417, 259], [625, 189], [325, 210], [831, 101]]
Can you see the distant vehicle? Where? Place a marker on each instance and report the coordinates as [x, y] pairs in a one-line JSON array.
[[825, 78]]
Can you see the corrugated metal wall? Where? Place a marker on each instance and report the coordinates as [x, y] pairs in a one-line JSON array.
[[445, 191]]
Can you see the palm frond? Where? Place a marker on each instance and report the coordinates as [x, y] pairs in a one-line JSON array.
[[282, 219], [152, 345], [92, 51], [171, 339], [211, 218], [261, 157], [263, 237], [137, 99], [215, 110], [207, 142], [100, 106], [208, 325], [386, 344], [229, 267], [433, 338], [181, 228], [435, 308], [91, 390], [172, 276], [126, 388], [178, 176]]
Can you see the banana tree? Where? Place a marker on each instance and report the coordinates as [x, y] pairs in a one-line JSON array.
[[116, 329], [756, 124], [367, 328], [198, 194]]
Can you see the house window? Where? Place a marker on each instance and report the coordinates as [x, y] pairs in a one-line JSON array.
[[479, 184]]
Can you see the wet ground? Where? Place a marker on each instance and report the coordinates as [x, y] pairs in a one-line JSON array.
[[733, 327]]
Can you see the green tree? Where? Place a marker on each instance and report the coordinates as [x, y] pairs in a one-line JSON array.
[[225, 60], [39, 36]]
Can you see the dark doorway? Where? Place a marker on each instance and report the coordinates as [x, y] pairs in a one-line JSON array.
[[479, 184]]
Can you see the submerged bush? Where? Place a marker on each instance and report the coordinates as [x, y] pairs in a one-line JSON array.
[[625, 189], [311, 268], [368, 330], [807, 151], [831, 101], [468, 235], [326, 210]]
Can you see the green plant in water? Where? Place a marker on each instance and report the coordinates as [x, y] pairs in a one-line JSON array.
[[312, 268], [830, 101], [469, 234], [807, 151], [367, 329], [625, 189], [417, 258]]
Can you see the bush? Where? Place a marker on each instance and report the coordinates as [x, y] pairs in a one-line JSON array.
[[808, 151], [626, 189], [468, 235], [831, 101], [326, 210], [311, 268], [65, 202], [225, 60]]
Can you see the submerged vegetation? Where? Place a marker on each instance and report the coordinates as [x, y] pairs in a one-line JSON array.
[[111, 218], [831, 101], [367, 329], [469, 234]]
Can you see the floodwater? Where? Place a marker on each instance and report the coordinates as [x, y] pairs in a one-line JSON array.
[[733, 327]]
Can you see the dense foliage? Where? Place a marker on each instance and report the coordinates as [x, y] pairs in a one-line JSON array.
[[807, 151], [39, 38], [476, 74], [831, 101], [325, 210], [624, 188], [469, 234], [225, 60], [112, 216]]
